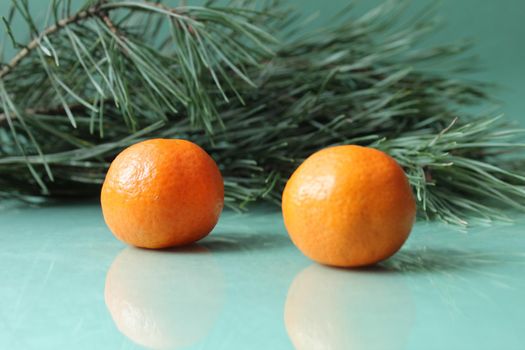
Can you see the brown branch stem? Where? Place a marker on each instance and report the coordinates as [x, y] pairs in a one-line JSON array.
[[78, 17], [52, 110], [100, 10]]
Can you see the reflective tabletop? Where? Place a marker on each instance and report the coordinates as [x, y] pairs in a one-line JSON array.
[[67, 283]]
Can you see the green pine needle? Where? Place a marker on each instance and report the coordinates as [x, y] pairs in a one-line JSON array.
[[91, 82]]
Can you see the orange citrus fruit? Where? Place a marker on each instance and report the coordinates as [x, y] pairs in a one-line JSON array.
[[348, 206], [161, 193]]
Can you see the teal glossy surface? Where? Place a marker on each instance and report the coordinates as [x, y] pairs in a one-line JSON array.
[[68, 284]]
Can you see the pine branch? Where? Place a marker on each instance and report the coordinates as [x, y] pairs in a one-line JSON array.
[[214, 75], [86, 76]]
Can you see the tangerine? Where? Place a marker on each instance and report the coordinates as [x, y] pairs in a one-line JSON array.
[[162, 193], [348, 206]]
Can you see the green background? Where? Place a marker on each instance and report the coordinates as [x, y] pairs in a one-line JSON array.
[[496, 27]]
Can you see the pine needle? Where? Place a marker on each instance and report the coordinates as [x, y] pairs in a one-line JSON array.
[[112, 73]]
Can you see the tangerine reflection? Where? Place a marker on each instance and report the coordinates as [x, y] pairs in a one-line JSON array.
[[328, 308], [164, 299]]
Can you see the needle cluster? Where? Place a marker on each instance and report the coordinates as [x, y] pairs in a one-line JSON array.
[[247, 82]]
